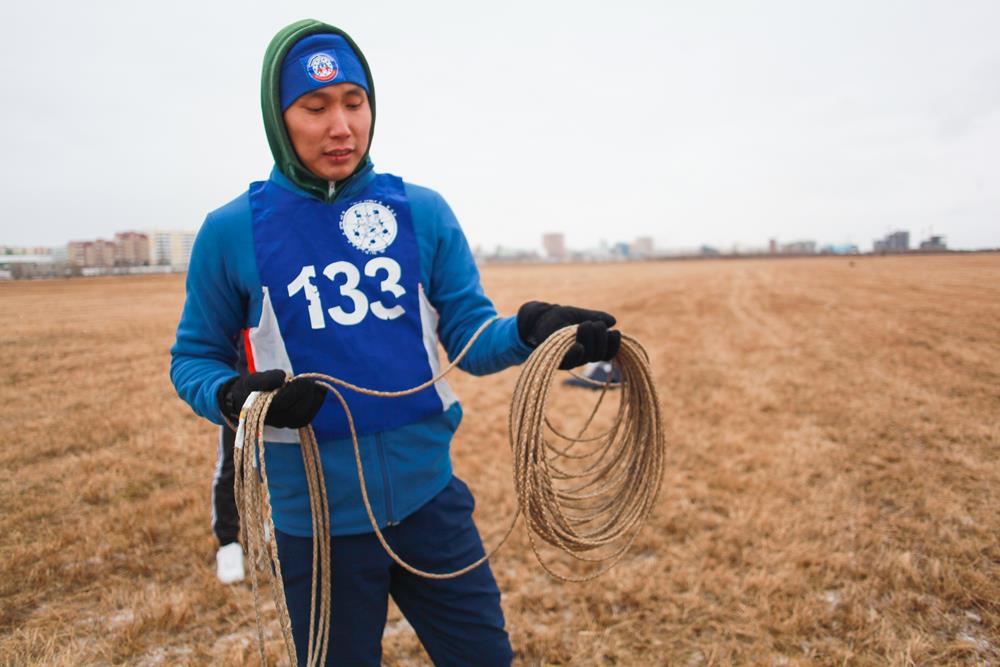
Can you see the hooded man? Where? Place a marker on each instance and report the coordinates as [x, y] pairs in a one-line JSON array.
[[330, 267]]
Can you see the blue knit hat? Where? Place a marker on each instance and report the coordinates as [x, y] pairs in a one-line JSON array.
[[316, 61]]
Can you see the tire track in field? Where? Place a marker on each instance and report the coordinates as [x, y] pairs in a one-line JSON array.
[[748, 289]]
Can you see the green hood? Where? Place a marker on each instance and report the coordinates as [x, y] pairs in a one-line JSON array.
[[270, 101]]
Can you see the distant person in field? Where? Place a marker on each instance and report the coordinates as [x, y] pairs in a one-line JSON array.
[[229, 566], [329, 266]]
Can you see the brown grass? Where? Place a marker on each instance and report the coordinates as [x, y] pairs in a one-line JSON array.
[[831, 493]]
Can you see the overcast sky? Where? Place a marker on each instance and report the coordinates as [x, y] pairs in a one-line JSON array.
[[695, 122]]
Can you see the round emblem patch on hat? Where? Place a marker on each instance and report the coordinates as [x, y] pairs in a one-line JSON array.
[[370, 226], [322, 67]]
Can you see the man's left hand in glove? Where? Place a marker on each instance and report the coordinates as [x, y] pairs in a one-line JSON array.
[[595, 341]]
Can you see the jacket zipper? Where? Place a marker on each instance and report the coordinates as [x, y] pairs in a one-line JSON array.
[[380, 446]]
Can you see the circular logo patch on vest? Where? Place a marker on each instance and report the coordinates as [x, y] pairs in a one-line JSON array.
[[370, 226], [322, 67]]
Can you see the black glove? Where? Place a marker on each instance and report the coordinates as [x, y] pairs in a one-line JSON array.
[[293, 407], [537, 320]]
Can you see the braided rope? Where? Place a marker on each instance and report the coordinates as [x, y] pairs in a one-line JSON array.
[[598, 508]]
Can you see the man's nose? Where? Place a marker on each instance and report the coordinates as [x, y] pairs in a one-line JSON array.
[[338, 124]]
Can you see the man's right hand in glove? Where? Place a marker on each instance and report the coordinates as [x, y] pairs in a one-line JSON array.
[[293, 407]]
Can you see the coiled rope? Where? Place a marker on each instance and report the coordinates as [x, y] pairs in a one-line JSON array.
[[596, 501]]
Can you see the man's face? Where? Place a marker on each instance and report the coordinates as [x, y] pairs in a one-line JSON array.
[[329, 129]]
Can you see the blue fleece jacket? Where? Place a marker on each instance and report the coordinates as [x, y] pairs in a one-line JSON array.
[[404, 467]]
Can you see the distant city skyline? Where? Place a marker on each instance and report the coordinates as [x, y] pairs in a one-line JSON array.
[[162, 251], [558, 240]]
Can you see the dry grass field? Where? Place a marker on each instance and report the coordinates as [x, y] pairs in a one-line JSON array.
[[831, 492]]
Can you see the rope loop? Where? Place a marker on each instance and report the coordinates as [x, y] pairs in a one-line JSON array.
[[588, 504]]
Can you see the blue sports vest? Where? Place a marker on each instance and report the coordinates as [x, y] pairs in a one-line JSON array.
[[342, 297]]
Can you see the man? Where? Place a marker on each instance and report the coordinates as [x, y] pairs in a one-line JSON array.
[[331, 267]]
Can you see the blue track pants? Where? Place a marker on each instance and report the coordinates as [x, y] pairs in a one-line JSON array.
[[459, 621]]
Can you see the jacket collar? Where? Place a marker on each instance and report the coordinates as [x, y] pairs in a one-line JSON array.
[[345, 189]]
